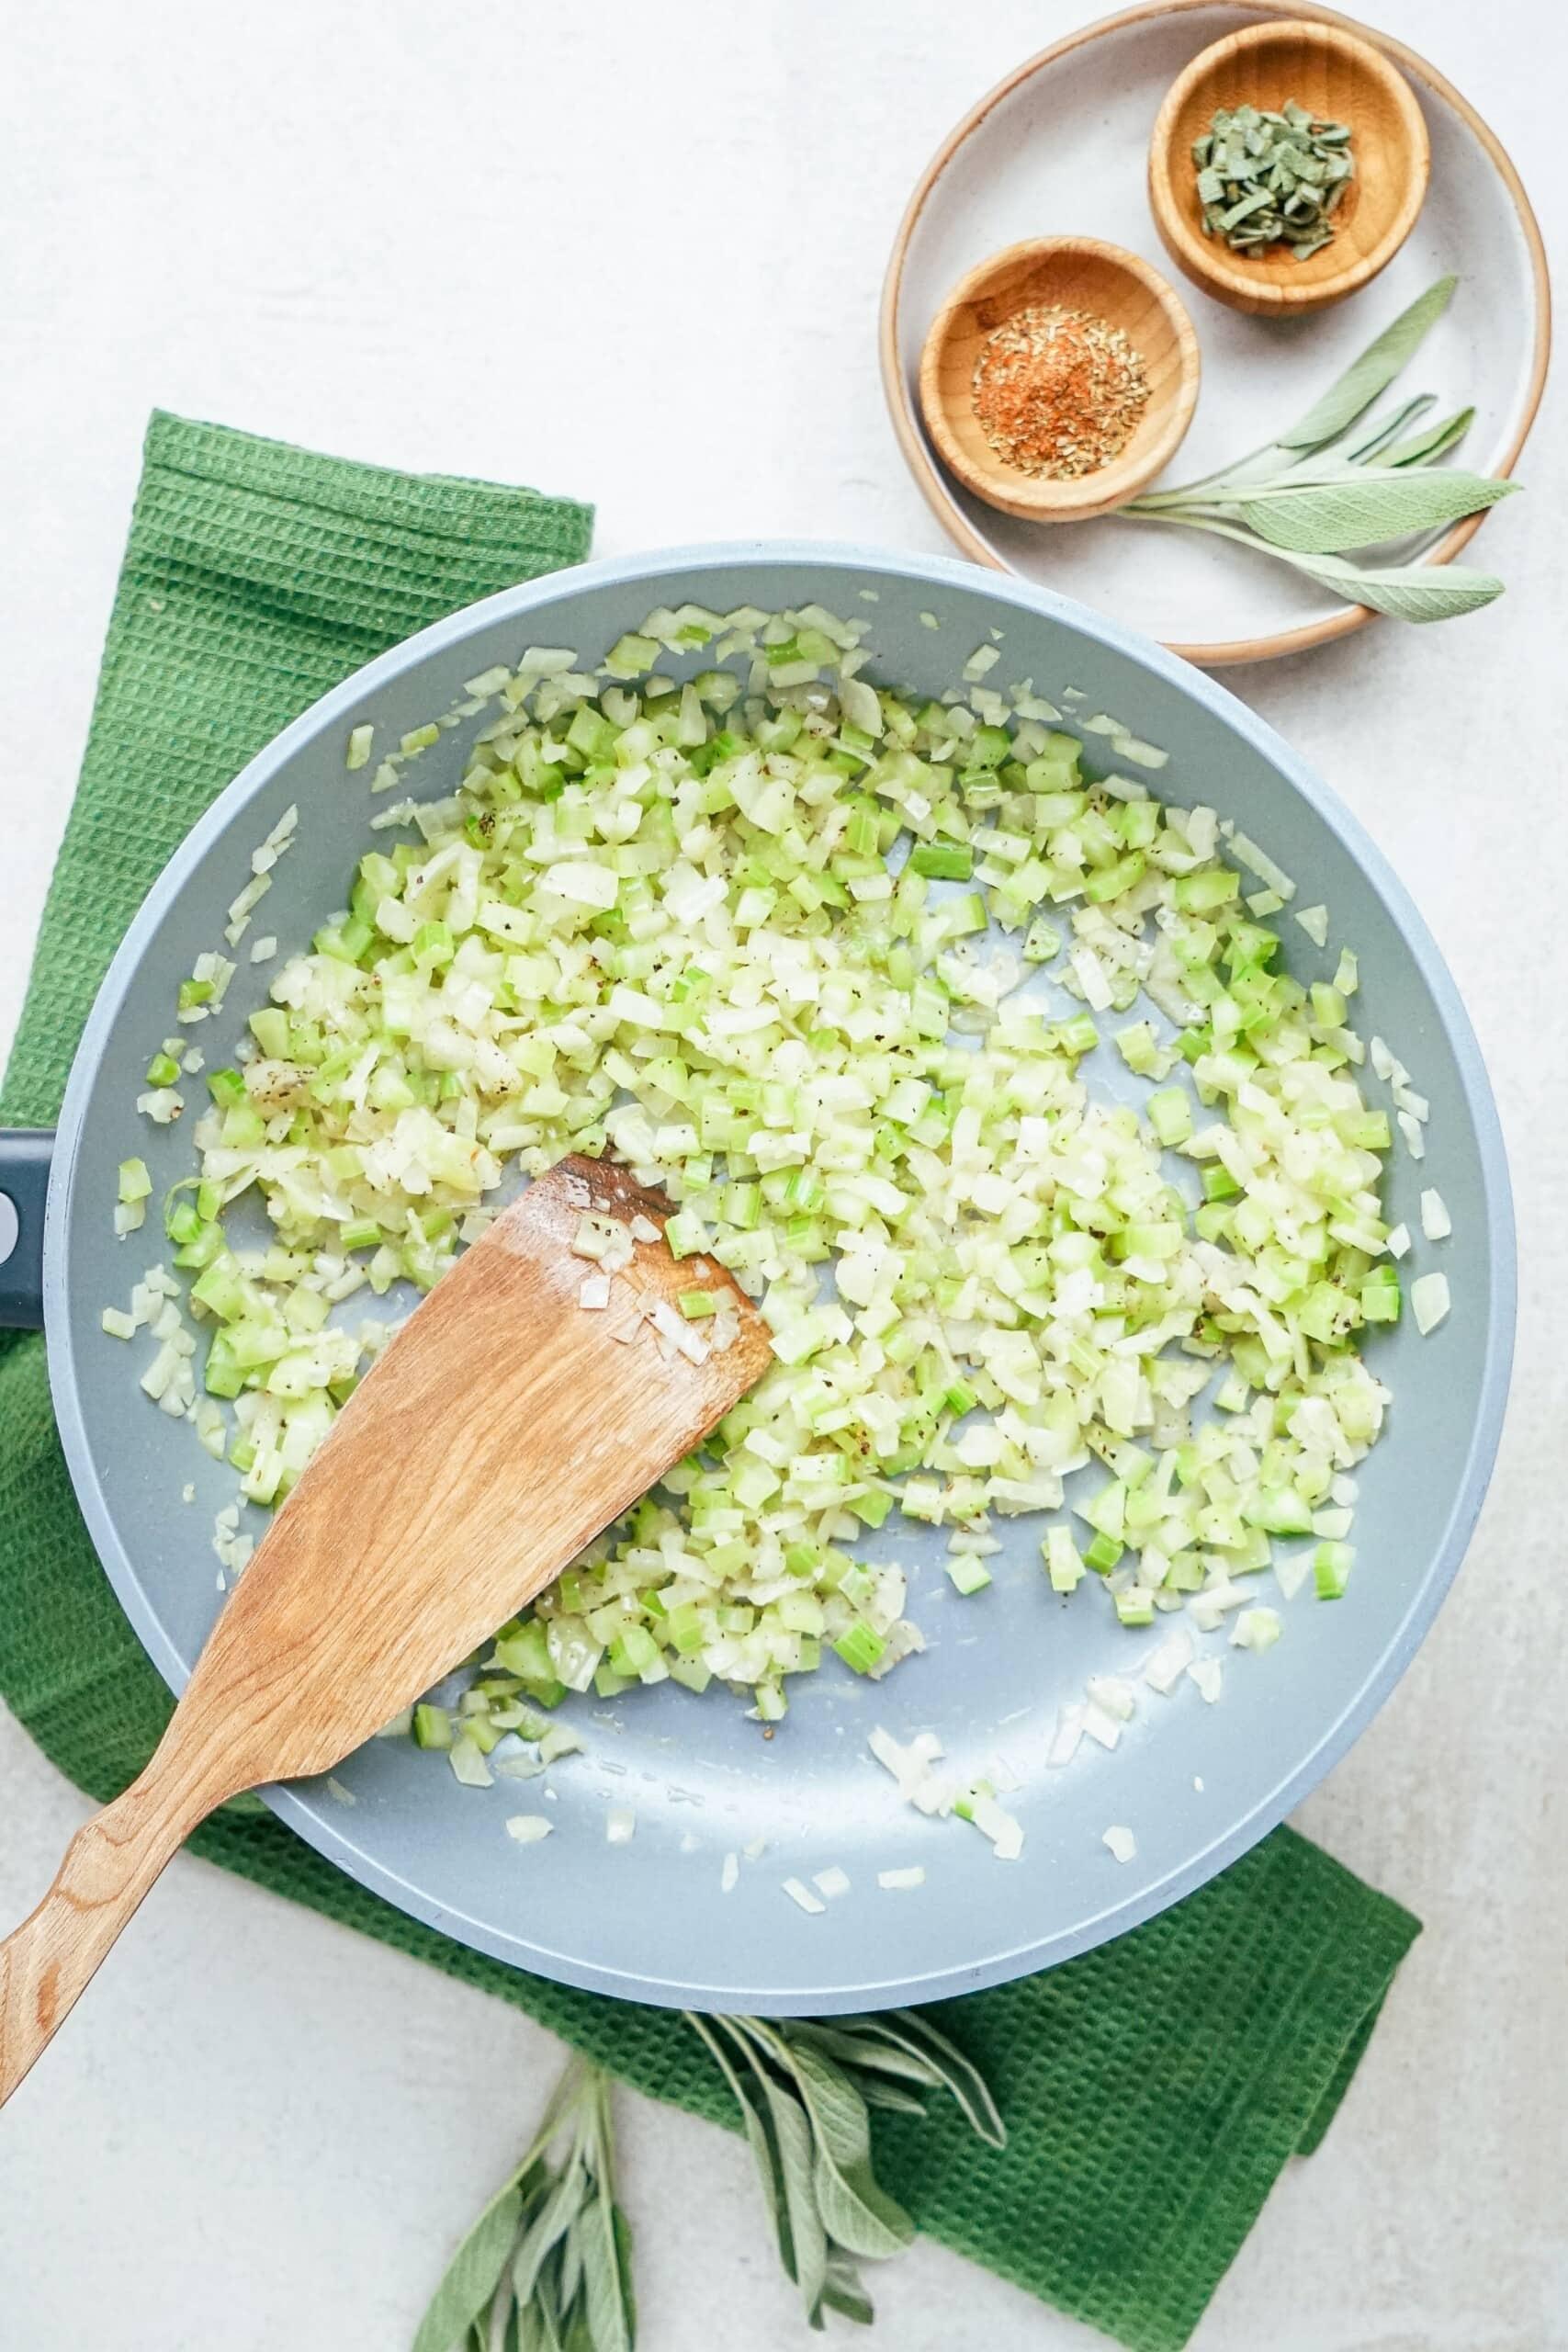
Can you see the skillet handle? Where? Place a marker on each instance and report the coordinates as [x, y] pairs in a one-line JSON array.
[[25, 1155]]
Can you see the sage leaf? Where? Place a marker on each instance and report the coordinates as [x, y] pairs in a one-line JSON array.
[[791, 2132], [764, 2153], [472, 2274], [548, 2224], [878, 2093], [1385, 429], [957, 2074], [501, 2333], [537, 2330], [844, 2294], [609, 2306], [622, 2230], [858, 2213], [905, 2044], [1434, 443], [857, 2210], [570, 2271], [1411, 592], [859, 2046], [761, 2091], [1326, 518], [1372, 373], [836, 2107]]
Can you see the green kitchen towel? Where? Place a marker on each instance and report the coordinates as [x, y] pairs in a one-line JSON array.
[[1154, 2089]]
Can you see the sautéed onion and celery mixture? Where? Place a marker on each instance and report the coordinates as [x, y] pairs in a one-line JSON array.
[[824, 961]]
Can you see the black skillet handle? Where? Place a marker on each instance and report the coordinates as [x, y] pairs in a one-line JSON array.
[[25, 1155]]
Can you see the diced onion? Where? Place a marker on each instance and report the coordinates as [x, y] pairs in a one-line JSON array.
[[1005, 1833], [1164, 1667], [1436, 1222], [528, 1828], [1256, 1629], [1115, 1696], [1068, 1733], [1106, 1729], [1207, 1672], [1429, 1301], [469, 1763]]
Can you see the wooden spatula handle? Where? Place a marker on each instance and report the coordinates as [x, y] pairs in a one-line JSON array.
[[108, 1867], [501, 1429]]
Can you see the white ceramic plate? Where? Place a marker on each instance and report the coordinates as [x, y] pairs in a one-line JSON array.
[[1060, 148]]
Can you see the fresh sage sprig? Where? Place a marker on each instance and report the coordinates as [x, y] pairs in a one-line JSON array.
[[546, 2268], [1311, 504], [804, 2091]]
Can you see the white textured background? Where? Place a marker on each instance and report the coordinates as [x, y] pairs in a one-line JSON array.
[[635, 254]]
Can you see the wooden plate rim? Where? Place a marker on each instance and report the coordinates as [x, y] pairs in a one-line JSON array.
[[928, 478]]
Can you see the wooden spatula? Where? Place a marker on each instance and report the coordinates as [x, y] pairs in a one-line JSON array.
[[505, 1425]]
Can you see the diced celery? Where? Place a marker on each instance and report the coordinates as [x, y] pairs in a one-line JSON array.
[[632, 1651], [943, 861], [1169, 1113], [269, 1027], [860, 1647], [1331, 1570], [1063, 1562]]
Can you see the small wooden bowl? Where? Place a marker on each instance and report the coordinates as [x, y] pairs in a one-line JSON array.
[[1341, 79], [1079, 272]]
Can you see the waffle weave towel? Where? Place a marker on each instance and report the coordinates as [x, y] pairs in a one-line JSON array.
[[1154, 2088]]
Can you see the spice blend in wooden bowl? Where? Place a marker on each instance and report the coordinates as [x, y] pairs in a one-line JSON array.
[[1058, 392], [1059, 378]]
